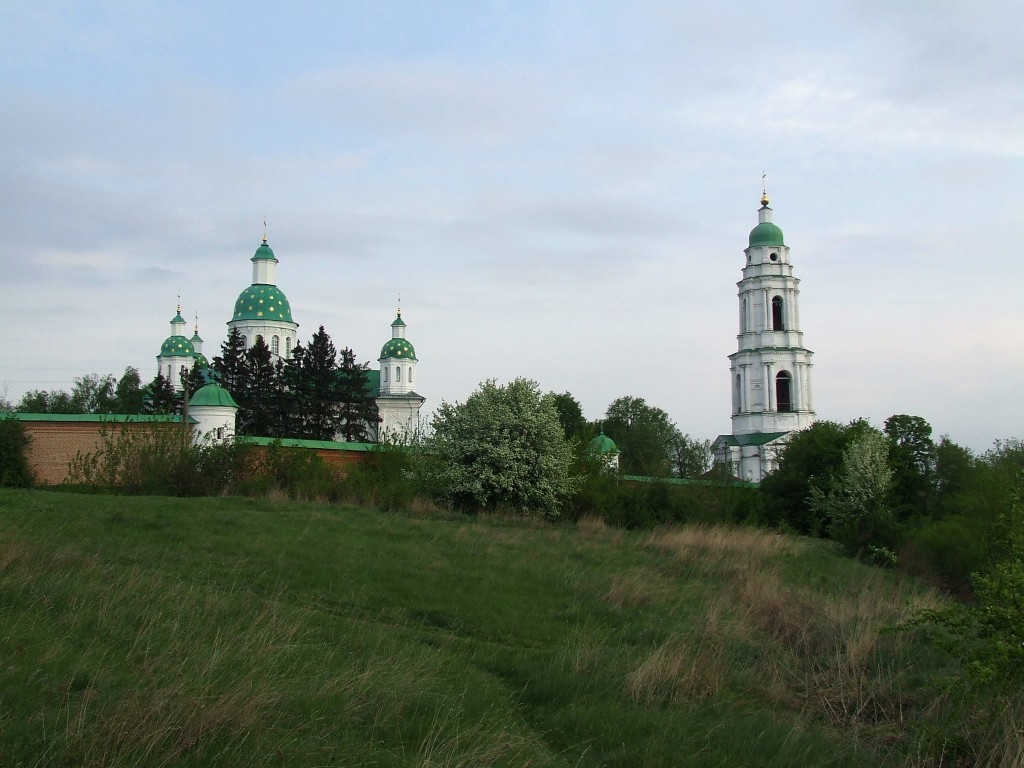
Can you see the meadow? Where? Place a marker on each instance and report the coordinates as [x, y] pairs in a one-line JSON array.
[[153, 631]]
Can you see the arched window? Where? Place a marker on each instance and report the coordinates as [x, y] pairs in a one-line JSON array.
[[739, 395], [385, 374], [783, 401], [287, 346], [410, 374], [275, 345], [398, 373], [245, 341], [777, 324]]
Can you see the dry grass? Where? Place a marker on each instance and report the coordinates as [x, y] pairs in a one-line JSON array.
[[682, 668], [638, 588]]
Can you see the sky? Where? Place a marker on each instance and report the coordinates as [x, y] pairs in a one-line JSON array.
[[557, 190]]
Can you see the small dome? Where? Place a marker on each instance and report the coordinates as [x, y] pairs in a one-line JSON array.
[[602, 444], [177, 346], [264, 253], [262, 302], [198, 358], [766, 233], [212, 395], [399, 348]]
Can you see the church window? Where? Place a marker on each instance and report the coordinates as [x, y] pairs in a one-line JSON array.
[[245, 341], [220, 433], [385, 374], [784, 403], [410, 374], [773, 256], [738, 394], [398, 373], [777, 324], [287, 346], [259, 338], [275, 345]]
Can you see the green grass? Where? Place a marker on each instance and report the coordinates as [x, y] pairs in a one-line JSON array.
[[157, 631]]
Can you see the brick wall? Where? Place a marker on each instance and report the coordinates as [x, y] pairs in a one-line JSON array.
[[54, 444]]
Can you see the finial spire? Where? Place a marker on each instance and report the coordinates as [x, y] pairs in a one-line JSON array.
[[264, 228], [764, 189], [197, 323], [399, 303], [179, 301]]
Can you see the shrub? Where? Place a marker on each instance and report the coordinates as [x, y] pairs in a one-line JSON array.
[[14, 469]]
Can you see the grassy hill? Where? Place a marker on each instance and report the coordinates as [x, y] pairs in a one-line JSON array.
[[158, 631]]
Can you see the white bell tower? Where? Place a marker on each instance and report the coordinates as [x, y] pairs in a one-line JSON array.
[[770, 373]]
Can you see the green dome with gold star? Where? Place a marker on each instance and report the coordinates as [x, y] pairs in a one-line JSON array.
[[262, 302], [399, 348], [177, 346]]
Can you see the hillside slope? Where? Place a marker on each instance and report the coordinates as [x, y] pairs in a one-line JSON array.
[[157, 631]]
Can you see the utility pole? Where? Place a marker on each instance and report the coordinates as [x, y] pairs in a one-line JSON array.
[[184, 407]]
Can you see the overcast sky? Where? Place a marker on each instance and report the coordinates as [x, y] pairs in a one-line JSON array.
[[558, 190]]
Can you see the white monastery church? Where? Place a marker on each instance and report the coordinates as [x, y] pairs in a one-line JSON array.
[[770, 373], [262, 311]]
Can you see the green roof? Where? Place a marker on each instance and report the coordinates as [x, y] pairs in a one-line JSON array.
[[177, 346], [603, 444], [766, 233], [199, 359], [116, 418], [373, 381], [399, 348], [753, 438], [212, 395], [262, 302], [323, 445], [398, 323], [263, 253]]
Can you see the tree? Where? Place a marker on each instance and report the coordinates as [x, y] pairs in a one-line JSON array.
[[93, 394], [688, 456], [356, 407], [855, 509], [912, 458], [41, 401], [813, 459], [229, 365], [643, 434], [257, 401], [159, 396], [316, 387], [570, 415], [129, 393], [503, 447]]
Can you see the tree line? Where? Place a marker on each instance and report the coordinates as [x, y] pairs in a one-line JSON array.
[[317, 394]]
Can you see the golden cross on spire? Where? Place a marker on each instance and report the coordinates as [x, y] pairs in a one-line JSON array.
[[264, 228], [179, 301], [399, 303], [764, 188]]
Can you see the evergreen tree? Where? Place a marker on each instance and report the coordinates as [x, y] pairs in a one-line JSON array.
[[318, 393], [229, 365], [292, 409], [159, 397], [357, 408], [257, 412]]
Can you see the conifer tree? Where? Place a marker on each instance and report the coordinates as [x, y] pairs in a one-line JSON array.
[[159, 396], [229, 365], [318, 388], [357, 408], [257, 411]]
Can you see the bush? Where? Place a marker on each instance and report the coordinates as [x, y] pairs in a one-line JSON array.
[[14, 469]]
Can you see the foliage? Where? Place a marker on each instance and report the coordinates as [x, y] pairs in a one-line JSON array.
[[570, 415], [229, 365], [258, 405], [689, 456], [644, 435], [356, 406], [503, 447], [14, 470], [159, 397], [156, 458], [129, 393], [311, 380], [912, 459], [856, 506], [809, 465]]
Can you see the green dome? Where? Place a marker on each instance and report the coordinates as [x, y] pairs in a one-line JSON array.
[[602, 444], [198, 358], [212, 394], [264, 252], [399, 348], [765, 233], [262, 302], [177, 346]]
